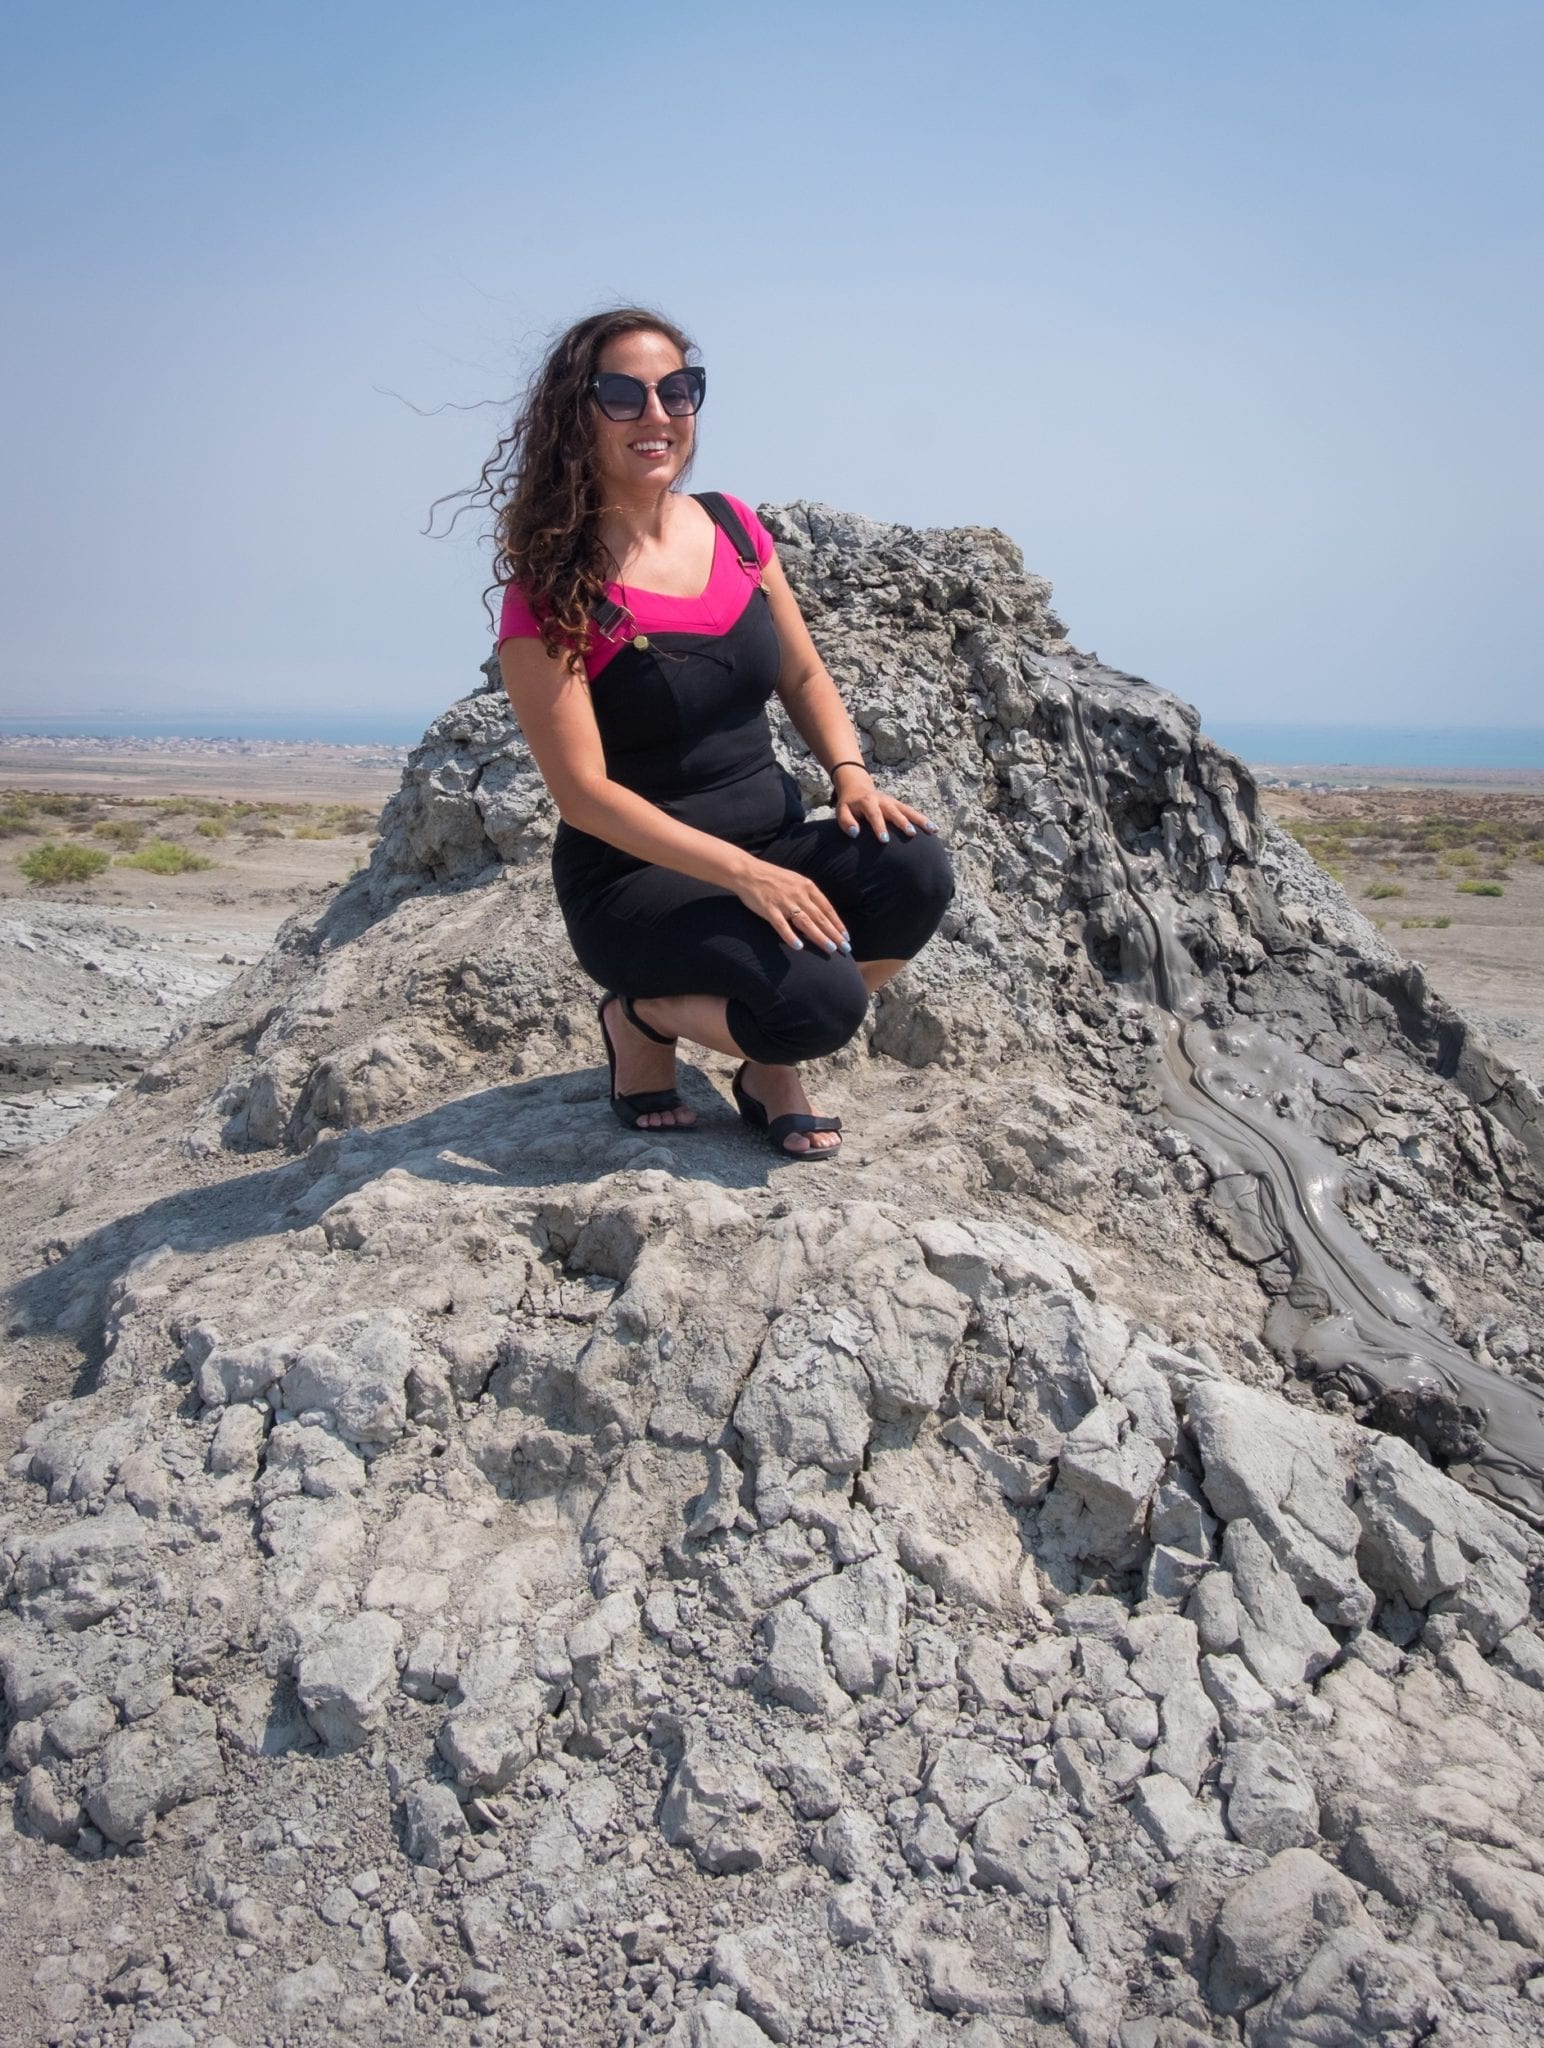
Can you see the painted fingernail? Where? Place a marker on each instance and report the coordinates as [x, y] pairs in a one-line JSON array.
[[884, 839], [830, 945], [847, 945], [798, 945], [852, 831], [910, 831]]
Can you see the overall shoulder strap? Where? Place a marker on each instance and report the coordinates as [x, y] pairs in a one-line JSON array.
[[722, 513]]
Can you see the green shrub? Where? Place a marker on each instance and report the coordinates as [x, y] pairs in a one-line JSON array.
[[210, 828], [350, 818], [315, 832], [1440, 924], [121, 831], [1379, 890], [16, 818], [1480, 889], [165, 857], [56, 861]]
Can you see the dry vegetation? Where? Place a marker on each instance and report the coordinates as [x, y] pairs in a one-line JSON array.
[[1385, 843], [65, 838]]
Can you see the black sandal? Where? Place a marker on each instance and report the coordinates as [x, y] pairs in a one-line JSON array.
[[781, 1127], [629, 1108]]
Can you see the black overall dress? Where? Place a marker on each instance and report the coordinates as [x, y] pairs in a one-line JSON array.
[[683, 722]]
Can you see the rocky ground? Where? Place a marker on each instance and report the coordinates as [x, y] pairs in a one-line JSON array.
[[1065, 1570]]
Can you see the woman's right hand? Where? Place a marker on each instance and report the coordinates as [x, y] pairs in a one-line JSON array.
[[793, 906]]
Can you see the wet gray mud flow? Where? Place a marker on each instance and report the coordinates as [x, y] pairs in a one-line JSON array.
[[1345, 1316]]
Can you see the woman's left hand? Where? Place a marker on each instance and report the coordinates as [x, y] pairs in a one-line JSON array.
[[858, 802]]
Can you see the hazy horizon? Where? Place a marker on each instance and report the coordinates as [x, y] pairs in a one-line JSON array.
[[1230, 319]]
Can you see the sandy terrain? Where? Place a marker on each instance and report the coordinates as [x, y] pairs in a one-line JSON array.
[[96, 973], [254, 769], [1414, 860]]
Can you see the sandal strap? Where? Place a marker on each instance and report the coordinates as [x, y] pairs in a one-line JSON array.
[[646, 1104], [638, 1024], [782, 1127]]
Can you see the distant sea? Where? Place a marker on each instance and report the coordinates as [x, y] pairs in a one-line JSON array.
[[1381, 746], [1261, 744]]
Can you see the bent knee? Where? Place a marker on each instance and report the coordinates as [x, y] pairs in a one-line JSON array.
[[900, 918], [814, 1014]]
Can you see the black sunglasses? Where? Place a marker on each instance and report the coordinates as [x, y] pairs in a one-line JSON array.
[[623, 398]]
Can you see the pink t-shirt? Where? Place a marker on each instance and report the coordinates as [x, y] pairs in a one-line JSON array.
[[714, 610]]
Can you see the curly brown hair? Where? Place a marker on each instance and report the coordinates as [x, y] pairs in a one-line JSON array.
[[540, 481]]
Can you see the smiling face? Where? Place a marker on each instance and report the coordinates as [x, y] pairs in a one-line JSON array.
[[645, 455]]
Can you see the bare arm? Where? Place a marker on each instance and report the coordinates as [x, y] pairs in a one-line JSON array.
[[815, 706], [551, 700]]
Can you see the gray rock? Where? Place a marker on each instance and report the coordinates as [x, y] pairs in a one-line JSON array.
[[55, 1816], [1513, 1898], [1163, 1649], [860, 1612], [795, 1671], [433, 1824], [358, 1380], [242, 1372], [813, 1784], [237, 1443], [1381, 1860], [84, 1724], [143, 1771], [1025, 1845], [35, 1680], [1355, 1989], [957, 1982], [1280, 1639], [765, 1978], [1522, 1654], [345, 1681], [483, 1990], [1188, 1721], [713, 1807], [252, 1919], [713, 2025], [848, 1845], [1272, 1923], [966, 1778], [1173, 1816], [1241, 1701], [1105, 1478], [850, 1916], [408, 1948], [79, 1575], [1423, 1536], [1214, 1608], [160, 2034], [1281, 1469], [488, 1741], [293, 1993], [1271, 1805]]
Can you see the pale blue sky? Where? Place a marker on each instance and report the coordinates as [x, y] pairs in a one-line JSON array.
[[1229, 311]]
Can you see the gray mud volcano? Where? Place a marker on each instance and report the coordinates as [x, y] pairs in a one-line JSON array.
[[1065, 1571]]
